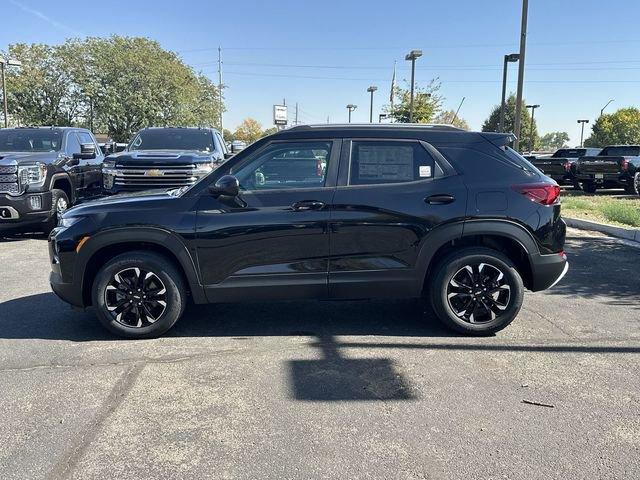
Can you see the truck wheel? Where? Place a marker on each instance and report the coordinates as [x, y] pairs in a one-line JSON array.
[[476, 291], [139, 295], [636, 183], [589, 187], [59, 205]]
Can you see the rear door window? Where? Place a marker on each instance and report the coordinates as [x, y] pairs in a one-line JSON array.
[[375, 162]]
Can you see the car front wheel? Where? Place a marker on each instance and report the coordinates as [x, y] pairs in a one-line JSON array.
[[139, 295], [476, 291]]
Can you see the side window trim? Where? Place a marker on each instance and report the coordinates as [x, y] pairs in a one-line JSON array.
[[442, 168], [331, 174]]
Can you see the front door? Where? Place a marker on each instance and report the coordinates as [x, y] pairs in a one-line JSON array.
[[273, 240], [391, 194]]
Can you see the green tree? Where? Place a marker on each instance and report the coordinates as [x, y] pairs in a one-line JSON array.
[[228, 135], [620, 127], [426, 103], [269, 131], [41, 91], [248, 131], [447, 117], [554, 141], [492, 123]]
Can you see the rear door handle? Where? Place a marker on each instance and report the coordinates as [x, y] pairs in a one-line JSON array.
[[307, 205], [442, 199]]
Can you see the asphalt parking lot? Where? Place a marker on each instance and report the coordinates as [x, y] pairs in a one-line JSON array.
[[326, 389]]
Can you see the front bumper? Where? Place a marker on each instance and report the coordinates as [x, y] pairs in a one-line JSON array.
[[27, 210], [63, 285], [547, 270]]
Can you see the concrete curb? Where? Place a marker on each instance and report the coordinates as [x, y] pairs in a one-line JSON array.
[[619, 232]]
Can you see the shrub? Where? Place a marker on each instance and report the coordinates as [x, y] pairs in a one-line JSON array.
[[622, 212]]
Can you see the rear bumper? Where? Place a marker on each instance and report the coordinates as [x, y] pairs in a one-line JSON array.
[[547, 270], [611, 178]]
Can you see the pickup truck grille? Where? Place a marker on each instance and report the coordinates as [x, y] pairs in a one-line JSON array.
[[599, 167], [9, 180], [154, 176]]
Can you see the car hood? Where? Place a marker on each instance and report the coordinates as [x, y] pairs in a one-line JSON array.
[[130, 200], [160, 157], [24, 158]]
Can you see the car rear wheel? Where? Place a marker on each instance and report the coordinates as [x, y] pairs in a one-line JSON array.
[[476, 291], [139, 295]]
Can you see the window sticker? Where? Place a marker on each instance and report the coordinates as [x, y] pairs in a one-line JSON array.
[[424, 171]]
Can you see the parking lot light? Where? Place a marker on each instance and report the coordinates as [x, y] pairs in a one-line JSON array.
[[371, 89], [533, 110], [582, 131], [512, 57], [412, 56], [351, 107]]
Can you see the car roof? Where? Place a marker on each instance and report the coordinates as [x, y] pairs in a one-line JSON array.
[[436, 133], [179, 128], [46, 127]]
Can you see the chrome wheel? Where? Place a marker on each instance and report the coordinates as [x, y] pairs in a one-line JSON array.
[[478, 293], [61, 206], [636, 183], [135, 297]]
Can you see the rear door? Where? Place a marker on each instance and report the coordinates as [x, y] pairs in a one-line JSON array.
[[391, 195]]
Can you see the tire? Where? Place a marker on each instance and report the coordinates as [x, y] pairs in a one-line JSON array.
[[636, 183], [452, 274], [589, 187], [59, 204], [116, 297], [576, 185]]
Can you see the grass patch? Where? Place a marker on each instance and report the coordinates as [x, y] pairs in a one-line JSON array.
[[622, 212]]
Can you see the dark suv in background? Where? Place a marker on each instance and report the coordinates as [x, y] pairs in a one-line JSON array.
[[164, 157], [561, 166], [44, 170], [325, 212]]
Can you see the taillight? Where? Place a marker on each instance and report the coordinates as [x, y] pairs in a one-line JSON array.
[[542, 193], [567, 166], [624, 164]]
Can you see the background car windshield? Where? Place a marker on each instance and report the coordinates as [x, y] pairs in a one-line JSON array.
[[570, 153], [30, 140], [623, 151], [184, 139]]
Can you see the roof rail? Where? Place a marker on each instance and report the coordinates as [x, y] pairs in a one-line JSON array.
[[429, 126]]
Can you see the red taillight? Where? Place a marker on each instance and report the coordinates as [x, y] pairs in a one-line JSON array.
[[624, 164], [542, 193], [567, 166]]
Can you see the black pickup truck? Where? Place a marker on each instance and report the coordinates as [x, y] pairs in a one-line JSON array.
[[614, 167], [43, 171], [164, 158], [561, 166]]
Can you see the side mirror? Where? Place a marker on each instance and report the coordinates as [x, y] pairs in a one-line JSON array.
[[87, 151], [227, 186]]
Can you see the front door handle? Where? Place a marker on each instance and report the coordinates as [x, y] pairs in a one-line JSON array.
[[307, 205], [441, 199]]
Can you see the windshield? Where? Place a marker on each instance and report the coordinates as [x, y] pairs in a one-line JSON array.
[[30, 140], [624, 151], [570, 153], [173, 139]]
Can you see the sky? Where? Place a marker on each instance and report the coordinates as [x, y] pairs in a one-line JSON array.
[[324, 54]]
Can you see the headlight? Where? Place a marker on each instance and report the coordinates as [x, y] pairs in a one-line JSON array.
[[108, 164], [66, 222], [32, 174], [203, 169]]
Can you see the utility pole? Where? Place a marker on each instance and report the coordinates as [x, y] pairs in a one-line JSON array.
[[220, 90], [371, 89], [582, 131], [533, 111], [412, 55], [523, 47], [513, 57], [6, 63]]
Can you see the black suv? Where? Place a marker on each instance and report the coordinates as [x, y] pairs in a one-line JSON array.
[[43, 170], [164, 157], [325, 212]]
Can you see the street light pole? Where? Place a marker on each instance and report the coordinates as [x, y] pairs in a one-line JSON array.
[[533, 112], [6, 63], [371, 89], [412, 55], [607, 104], [351, 107], [513, 57], [523, 47], [582, 131]]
